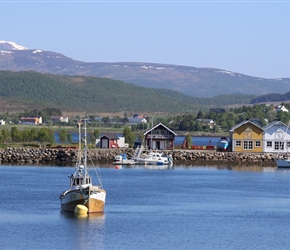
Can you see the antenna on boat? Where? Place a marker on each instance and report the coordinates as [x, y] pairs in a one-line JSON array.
[[85, 144]]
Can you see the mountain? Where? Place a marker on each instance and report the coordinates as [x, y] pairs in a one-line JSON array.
[[193, 81]]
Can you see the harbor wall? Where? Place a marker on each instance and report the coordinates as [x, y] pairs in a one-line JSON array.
[[67, 156]]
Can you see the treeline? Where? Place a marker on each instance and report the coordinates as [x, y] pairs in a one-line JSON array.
[[31, 136], [40, 136], [95, 94], [271, 98]]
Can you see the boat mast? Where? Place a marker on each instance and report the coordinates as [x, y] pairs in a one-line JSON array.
[[80, 145], [85, 148]]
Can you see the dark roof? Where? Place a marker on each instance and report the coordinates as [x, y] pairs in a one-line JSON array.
[[159, 124], [109, 136]]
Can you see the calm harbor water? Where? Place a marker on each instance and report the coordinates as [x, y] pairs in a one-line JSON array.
[[181, 208]]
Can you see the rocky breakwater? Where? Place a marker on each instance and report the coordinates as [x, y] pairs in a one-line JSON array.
[[35, 156], [266, 159], [69, 156]]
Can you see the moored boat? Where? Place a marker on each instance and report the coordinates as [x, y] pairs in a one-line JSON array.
[[283, 163], [82, 191], [154, 158], [223, 144], [122, 159]]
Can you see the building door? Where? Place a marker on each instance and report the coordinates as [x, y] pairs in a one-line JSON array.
[[105, 143]]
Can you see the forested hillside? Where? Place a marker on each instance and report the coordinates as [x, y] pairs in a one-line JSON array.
[[271, 98], [28, 90]]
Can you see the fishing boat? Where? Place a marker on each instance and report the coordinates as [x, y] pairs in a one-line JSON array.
[[83, 195]]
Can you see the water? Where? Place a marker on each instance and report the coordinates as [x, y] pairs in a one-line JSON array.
[[179, 208]]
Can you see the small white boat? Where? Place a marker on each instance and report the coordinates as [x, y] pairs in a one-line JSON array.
[[122, 159], [83, 196]]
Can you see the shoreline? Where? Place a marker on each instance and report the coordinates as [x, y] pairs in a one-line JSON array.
[[68, 157]]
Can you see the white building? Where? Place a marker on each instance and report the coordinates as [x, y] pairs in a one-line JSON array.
[[137, 120], [276, 138], [281, 108], [2, 122], [59, 118]]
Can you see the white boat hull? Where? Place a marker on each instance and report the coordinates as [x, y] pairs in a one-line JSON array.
[[93, 198], [154, 158], [150, 162], [283, 163], [124, 162]]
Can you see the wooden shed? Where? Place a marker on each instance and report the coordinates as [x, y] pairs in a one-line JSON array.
[[108, 141], [159, 137]]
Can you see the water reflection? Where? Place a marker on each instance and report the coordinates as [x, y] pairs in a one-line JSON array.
[[96, 217], [86, 231]]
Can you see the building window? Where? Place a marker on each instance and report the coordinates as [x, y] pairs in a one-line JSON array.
[[258, 144], [279, 145], [288, 144], [238, 143], [269, 144], [248, 145]]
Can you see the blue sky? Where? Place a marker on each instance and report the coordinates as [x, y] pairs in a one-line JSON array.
[[248, 37]]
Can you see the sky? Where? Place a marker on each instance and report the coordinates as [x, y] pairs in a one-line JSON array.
[[247, 37]]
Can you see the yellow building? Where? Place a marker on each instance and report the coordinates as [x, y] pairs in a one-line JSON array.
[[247, 137]]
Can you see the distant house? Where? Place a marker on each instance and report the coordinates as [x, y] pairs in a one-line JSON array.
[[59, 118], [31, 120], [159, 137], [2, 122], [208, 122], [137, 120], [281, 108]]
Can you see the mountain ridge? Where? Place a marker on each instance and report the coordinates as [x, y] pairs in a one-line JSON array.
[[192, 81]]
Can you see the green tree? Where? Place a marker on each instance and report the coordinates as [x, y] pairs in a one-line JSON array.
[[45, 135], [199, 115], [69, 138], [129, 136], [63, 136], [15, 134], [189, 140], [5, 135], [33, 134]]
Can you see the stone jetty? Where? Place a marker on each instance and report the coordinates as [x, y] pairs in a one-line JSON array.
[[67, 156]]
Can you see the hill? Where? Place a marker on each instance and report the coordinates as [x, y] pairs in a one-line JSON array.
[[27, 90], [191, 81]]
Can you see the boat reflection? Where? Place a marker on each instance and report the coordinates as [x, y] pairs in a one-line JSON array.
[[94, 217]]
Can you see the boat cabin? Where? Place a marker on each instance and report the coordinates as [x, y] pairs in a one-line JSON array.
[[159, 137], [80, 180]]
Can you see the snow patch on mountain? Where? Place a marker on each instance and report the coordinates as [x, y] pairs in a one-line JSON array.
[[5, 45]]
